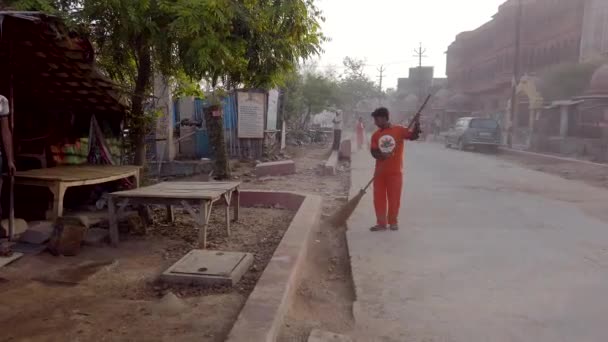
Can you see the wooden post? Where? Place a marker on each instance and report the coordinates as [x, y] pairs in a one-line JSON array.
[[58, 191], [237, 204], [203, 220], [170, 214], [113, 220], [227, 200]]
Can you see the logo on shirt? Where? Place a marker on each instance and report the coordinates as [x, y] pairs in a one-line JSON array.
[[387, 144]]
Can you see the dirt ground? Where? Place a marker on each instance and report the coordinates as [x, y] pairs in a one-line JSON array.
[[588, 173], [107, 294]]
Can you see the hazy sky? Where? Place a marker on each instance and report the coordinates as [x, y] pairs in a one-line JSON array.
[[387, 31]]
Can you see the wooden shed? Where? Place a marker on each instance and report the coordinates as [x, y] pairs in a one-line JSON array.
[[59, 102]]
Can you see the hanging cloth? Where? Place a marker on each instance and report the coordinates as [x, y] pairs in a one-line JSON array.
[[99, 153]]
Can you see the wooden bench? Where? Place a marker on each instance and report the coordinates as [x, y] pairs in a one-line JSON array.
[[189, 195], [59, 179]]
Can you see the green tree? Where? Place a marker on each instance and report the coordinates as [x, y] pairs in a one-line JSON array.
[[318, 93], [306, 93], [355, 87], [564, 81], [293, 103], [266, 40], [227, 43]]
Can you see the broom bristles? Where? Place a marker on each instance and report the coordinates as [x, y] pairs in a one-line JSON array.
[[345, 212]]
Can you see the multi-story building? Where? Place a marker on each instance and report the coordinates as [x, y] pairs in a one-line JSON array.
[[480, 63], [594, 42]]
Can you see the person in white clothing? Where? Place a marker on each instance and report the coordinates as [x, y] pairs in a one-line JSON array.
[[7, 135], [7, 139], [337, 130]]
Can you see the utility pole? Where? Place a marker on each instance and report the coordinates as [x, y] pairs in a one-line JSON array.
[[516, 72], [381, 70], [420, 54]]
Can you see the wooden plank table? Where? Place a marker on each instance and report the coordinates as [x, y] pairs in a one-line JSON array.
[[189, 195], [59, 179]]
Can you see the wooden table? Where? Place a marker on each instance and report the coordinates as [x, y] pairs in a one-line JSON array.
[[59, 179], [189, 195]]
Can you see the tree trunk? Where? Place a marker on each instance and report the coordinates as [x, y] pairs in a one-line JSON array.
[[215, 127], [142, 84], [304, 123]]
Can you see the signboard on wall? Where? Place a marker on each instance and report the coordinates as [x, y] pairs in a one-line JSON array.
[[273, 110], [251, 110]]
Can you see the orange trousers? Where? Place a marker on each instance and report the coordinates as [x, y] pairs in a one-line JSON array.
[[387, 190]]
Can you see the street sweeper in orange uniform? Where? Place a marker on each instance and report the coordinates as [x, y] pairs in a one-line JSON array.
[[387, 147]]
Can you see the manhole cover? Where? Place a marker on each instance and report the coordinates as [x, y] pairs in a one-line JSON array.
[[209, 267]]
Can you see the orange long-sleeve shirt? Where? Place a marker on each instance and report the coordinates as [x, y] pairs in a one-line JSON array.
[[390, 140]]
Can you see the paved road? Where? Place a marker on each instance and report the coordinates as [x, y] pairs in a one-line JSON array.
[[488, 251]]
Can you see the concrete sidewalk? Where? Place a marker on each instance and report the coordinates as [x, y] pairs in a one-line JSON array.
[[368, 262], [487, 251]]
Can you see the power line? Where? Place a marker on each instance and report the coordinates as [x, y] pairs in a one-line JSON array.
[[336, 66]]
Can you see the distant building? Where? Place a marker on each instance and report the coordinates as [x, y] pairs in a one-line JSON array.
[[480, 62], [480, 67], [420, 80]]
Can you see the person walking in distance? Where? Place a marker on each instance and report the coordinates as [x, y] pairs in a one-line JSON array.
[[337, 131], [436, 126], [387, 147], [360, 133], [7, 142], [7, 137]]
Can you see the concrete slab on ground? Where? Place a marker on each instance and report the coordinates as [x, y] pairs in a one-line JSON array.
[[28, 248], [329, 168], [278, 168], [7, 260], [204, 267], [19, 228], [324, 336], [37, 233], [96, 237], [345, 150]]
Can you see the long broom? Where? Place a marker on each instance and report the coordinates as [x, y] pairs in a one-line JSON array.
[[340, 217]]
